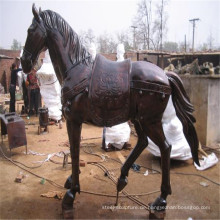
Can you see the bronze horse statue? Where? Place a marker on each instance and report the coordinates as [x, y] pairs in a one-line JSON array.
[[107, 93]]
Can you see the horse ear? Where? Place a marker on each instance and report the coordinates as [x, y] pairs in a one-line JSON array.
[[35, 13], [39, 10]]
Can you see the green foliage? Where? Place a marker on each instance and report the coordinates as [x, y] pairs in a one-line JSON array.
[[204, 47], [16, 45]]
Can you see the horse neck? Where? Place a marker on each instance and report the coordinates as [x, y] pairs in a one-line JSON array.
[[59, 55]]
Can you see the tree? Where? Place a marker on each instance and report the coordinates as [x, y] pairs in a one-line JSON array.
[[106, 43], [151, 32], [160, 24], [15, 45], [170, 46], [204, 47], [87, 37], [184, 46], [143, 21], [210, 41], [123, 37]]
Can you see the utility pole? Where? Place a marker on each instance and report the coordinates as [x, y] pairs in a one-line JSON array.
[[134, 36], [193, 21]]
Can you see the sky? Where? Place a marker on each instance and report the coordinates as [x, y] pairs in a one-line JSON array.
[[111, 16]]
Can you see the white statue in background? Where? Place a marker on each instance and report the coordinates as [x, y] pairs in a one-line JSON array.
[[92, 50], [117, 136], [50, 88], [120, 52]]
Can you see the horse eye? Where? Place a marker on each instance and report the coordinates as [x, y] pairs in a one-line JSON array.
[[31, 29]]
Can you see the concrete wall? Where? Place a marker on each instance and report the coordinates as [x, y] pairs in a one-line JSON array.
[[204, 93], [213, 120]]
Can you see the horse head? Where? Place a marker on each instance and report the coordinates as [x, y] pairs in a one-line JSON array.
[[35, 42]]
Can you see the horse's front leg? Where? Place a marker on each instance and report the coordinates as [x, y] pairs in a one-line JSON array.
[[74, 133]]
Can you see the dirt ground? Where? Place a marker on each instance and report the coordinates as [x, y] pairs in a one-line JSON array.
[[190, 198]]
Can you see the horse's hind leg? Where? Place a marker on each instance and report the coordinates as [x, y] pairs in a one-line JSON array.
[[74, 132], [156, 134], [140, 146]]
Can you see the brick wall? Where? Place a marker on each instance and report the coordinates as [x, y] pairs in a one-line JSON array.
[[5, 64], [112, 56]]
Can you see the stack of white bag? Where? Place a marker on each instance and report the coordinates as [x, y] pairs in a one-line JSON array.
[[50, 88], [173, 131], [117, 135]]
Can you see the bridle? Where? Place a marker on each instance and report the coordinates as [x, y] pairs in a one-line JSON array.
[[27, 52], [30, 55]]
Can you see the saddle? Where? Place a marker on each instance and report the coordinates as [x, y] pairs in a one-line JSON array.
[[109, 91]]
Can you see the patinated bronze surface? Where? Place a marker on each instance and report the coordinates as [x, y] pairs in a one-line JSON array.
[[138, 91], [109, 91]]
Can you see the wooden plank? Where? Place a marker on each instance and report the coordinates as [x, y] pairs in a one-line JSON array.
[[120, 156]]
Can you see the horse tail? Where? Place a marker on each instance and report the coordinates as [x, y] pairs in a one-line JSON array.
[[184, 111]]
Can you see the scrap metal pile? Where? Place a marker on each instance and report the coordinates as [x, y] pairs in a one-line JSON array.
[[194, 68]]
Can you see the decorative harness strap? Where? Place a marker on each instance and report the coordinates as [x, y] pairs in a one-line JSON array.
[[80, 87], [67, 96], [150, 87], [77, 89]]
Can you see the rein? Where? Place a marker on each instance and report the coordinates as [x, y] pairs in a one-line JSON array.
[[51, 83], [76, 64]]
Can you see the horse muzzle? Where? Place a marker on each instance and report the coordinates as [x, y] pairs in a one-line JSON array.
[[26, 63]]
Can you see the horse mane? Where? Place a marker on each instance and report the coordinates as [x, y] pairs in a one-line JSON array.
[[77, 51]]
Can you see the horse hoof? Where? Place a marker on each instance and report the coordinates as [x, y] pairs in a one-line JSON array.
[[67, 213], [67, 205], [159, 205], [68, 199], [68, 182], [157, 215], [122, 182]]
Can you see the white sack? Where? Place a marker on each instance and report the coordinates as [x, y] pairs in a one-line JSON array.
[[173, 131], [118, 135], [50, 88]]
